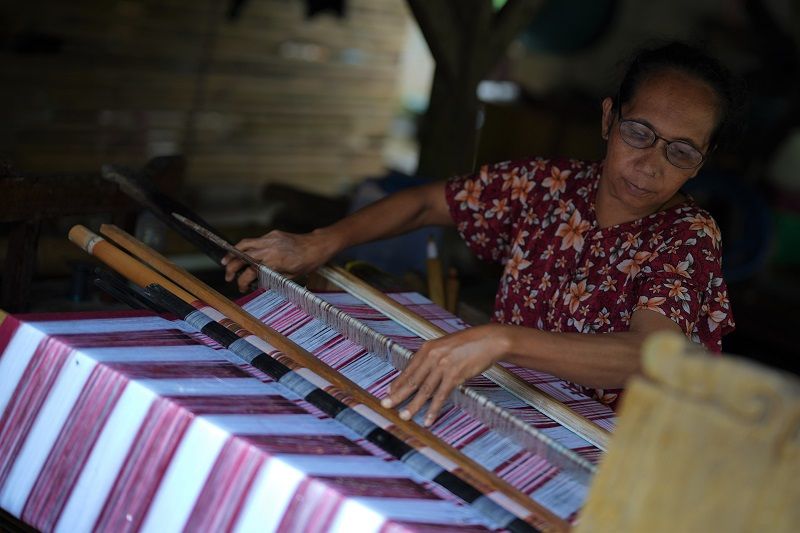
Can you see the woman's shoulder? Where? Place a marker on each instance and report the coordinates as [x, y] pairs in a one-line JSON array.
[[686, 236], [687, 224], [534, 166]]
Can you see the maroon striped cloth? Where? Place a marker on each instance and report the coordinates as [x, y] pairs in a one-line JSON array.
[[132, 421]]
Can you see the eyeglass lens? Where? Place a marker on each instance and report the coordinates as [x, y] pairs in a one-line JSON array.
[[679, 153]]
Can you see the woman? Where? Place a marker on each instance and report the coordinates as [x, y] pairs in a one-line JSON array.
[[597, 255]]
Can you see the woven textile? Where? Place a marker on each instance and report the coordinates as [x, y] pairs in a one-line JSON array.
[[133, 421]]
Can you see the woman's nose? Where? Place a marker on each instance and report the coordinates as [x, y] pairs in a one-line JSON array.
[[653, 158]]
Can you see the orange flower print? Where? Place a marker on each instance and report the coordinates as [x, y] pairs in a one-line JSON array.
[[516, 286], [631, 241], [539, 164], [655, 240], [631, 267], [577, 324], [471, 194], [516, 315], [722, 299], [677, 290], [521, 238], [509, 178], [480, 239], [545, 283], [705, 226], [563, 208], [602, 318], [577, 293], [480, 221], [652, 304], [484, 174], [529, 300], [499, 209], [516, 263], [520, 188], [557, 180], [608, 284], [682, 268], [572, 232], [715, 318]]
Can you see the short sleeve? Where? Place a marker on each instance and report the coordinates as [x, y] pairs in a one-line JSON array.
[[485, 206], [683, 281]]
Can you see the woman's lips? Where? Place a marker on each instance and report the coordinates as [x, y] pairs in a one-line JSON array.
[[634, 189]]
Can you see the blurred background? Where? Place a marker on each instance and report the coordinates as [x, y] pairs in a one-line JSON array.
[[287, 114]]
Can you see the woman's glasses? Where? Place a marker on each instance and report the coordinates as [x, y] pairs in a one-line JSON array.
[[679, 153]]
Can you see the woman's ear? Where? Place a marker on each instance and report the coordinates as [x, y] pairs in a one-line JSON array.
[[608, 117]]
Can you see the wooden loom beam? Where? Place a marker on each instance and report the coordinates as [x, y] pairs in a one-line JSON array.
[[471, 471], [506, 379], [166, 209], [399, 356]]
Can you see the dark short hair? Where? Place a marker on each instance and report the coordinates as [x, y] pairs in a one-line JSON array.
[[695, 62]]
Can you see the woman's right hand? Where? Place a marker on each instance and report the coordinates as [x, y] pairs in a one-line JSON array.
[[290, 254]]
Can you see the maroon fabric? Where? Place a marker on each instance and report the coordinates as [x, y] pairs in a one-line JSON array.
[[565, 274]]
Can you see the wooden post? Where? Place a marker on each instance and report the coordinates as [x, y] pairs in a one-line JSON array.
[[466, 39]]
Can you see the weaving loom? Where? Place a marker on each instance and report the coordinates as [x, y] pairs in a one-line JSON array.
[[236, 448]]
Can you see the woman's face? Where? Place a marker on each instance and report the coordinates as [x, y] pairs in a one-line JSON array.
[[675, 106]]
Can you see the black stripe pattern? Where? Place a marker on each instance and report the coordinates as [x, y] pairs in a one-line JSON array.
[[496, 515]]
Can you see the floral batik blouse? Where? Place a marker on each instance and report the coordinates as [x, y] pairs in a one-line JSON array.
[[563, 273]]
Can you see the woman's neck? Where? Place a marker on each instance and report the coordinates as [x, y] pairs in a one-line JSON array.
[[609, 211]]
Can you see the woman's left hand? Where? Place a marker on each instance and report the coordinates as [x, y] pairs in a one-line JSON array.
[[443, 364]]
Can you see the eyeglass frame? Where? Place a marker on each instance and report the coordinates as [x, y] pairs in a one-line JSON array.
[[656, 137]]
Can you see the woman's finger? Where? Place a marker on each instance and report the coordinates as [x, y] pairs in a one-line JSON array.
[[247, 244], [233, 266], [418, 361], [424, 392], [443, 391], [245, 279], [405, 384]]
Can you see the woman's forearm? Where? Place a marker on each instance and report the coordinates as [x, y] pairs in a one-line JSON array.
[[603, 360], [396, 214]]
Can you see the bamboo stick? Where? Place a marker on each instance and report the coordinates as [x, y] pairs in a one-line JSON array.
[[492, 485], [502, 377], [506, 379], [470, 399]]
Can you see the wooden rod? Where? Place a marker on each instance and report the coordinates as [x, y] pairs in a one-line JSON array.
[[121, 262], [503, 377], [497, 489]]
